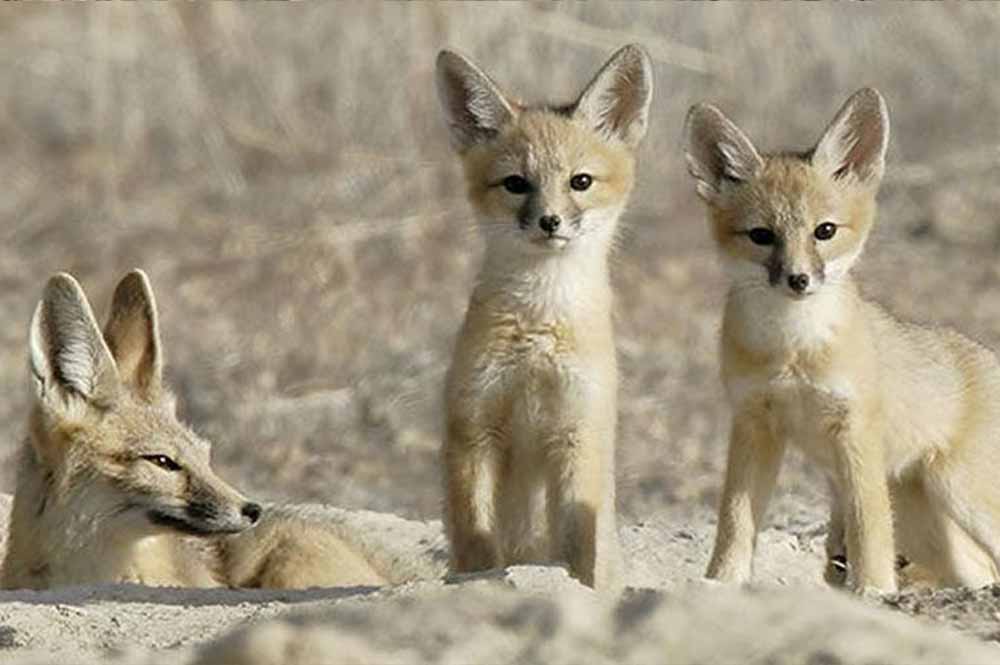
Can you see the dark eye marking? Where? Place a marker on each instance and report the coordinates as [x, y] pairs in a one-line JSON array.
[[825, 231], [581, 182], [761, 236], [516, 184], [162, 461]]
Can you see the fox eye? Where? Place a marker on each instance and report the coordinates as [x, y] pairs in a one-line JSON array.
[[761, 236], [581, 182], [516, 184], [163, 462], [825, 231]]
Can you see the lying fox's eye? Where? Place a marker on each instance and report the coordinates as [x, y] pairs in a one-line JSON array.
[[163, 462], [825, 231], [516, 184], [581, 182], [761, 236]]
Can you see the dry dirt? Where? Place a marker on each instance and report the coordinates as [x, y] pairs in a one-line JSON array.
[[524, 614], [283, 175]]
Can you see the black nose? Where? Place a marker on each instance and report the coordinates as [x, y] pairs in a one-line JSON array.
[[549, 223], [251, 511], [798, 283]]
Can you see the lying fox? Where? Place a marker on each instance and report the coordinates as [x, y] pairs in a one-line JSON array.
[[531, 393], [905, 419], [111, 484]]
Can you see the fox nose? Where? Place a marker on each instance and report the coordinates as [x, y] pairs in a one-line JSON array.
[[798, 283], [251, 511], [549, 223]]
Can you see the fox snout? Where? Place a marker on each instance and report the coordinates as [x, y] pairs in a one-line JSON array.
[[206, 505], [795, 270], [548, 226], [796, 281], [542, 214], [207, 517], [249, 512], [549, 223]]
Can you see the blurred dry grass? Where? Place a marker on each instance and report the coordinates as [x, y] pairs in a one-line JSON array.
[[283, 175]]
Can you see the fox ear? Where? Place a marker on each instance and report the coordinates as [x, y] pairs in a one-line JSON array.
[[854, 144], [717, 151], [68, 357], [616, 101], [473, 104], [133, 335]]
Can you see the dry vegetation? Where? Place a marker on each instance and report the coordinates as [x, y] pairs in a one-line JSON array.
[[283, 175]]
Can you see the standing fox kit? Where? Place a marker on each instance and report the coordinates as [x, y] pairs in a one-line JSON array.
[[531, 393], [900, 416], [110, 481]]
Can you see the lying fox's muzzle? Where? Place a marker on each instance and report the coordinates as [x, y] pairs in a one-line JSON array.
[[205, 519]]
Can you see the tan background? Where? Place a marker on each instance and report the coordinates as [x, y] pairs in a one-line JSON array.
[[282, 173]]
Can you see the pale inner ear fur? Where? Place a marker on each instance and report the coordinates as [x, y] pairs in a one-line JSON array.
[[854, 144], [69, 358], [133, 336], [473, 104], [717, 150], [616, 102]]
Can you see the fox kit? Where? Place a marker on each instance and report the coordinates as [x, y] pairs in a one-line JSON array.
[[897, 414], [531, 393], [110, 482]]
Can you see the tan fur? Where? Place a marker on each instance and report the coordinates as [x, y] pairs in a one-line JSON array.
[[287, 550], [900, 416], [111, 487], [531, 392]]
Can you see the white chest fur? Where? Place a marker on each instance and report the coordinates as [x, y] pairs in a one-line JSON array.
[[767, 321], [546, 355], [787, 381]]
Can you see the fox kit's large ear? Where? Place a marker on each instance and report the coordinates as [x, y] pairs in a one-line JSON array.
[[68, 357], [717, 151], [473, 104], [133, 335], [616, 102], [854, 144]]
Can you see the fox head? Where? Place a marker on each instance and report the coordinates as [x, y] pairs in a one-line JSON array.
[[790, 221], [103, 429], [548, 179]]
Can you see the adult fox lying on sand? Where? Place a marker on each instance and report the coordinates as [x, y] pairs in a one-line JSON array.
[[531, 393], [905, 419], [110, 481]]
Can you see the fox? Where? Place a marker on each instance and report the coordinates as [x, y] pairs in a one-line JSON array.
[[902, 418], [531, 393], [112, 487]]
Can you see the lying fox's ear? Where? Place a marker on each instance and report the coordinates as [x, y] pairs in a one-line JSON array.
[[133, 336], [853, 146], [616, 101], [717, 151], [473, 104], [69, 359]]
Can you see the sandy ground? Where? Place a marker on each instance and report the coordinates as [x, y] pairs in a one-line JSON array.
[[522, 614], [284, 177]]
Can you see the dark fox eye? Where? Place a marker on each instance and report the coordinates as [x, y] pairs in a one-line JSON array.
[[516, 184], [163, 462], [825, 231], [581, 182], [761, 236]]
